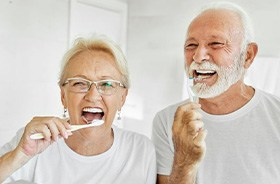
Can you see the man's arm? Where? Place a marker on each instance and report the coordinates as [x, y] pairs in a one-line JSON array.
[[181, 174], [179, 179], [176, 178]]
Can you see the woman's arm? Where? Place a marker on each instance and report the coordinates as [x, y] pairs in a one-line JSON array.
[[10, 162], [51, 127]]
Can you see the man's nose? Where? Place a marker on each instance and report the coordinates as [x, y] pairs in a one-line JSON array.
[[201, 54], [93, 95]]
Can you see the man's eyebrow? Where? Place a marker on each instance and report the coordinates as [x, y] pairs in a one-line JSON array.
[[190, 39], [216, 36]]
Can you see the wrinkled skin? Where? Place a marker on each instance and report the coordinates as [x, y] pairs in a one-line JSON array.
[[51, 127], [189, 135]]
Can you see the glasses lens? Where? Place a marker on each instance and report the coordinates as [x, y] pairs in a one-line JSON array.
[[107, 87], [79, 85]]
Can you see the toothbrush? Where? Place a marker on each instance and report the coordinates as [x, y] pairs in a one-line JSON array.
[[189, 89], [73, 128]]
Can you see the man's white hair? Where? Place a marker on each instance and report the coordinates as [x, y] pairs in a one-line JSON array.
[[247, 26]]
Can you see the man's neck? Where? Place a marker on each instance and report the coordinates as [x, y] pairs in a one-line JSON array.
[[231, 100]]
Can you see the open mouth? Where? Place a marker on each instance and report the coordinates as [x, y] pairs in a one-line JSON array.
[[90, 114], [203, 74]]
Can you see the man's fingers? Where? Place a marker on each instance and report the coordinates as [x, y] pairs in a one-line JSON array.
[[185, 108], [184, 114], [192, 115], [199, 140], [194, 127]]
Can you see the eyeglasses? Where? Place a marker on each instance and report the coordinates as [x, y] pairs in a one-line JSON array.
[[104, 87]]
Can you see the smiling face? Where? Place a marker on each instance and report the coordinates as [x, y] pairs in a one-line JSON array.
[[86, 106], [213, 52]]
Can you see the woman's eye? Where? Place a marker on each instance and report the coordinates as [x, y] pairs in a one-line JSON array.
[[106, 84]]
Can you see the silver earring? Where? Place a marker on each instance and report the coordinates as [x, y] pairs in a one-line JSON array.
[[119, 116], [64, 113]]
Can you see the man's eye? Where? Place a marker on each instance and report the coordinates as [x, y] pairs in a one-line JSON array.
[[190, 46], [216, 44], [79, 83]]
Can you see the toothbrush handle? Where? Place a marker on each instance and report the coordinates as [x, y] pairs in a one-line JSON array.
[[38, 136], [189, 89], [191, 97]]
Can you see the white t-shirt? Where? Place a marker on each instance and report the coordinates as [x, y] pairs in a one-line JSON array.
[[131, 159], [243, 147]]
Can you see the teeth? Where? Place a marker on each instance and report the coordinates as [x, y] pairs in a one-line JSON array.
[[198, 78], [205, 71], [92, 110]]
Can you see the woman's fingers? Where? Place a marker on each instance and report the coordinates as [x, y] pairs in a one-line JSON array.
[[44, 129], [51, 127], [59, 127]]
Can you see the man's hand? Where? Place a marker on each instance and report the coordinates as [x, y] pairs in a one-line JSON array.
[[188, 138], [189, 135]]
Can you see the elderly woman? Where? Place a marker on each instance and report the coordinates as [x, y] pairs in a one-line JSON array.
[[94, 83]]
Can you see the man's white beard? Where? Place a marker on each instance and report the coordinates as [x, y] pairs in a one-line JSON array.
[[227, 76]]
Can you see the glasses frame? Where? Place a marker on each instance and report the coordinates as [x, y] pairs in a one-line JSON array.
[[95, 83]]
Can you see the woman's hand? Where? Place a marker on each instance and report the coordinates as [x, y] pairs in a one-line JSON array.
[[51, 127]]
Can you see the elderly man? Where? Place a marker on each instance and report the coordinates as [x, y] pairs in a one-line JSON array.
[[243, 123]]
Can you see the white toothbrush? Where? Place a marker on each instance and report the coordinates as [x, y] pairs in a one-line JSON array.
[[189, 89], [73, 128]]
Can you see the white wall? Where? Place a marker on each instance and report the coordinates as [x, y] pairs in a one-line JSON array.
[[34, 36], [156, 32]]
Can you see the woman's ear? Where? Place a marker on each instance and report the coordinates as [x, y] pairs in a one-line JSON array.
[[251, 53], [123, 98], [63, 98]]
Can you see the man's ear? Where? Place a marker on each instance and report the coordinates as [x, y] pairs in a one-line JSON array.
[[252, 50], [63, 98]]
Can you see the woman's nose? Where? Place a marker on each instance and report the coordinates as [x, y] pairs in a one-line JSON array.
[[93, 95], [201, 54]]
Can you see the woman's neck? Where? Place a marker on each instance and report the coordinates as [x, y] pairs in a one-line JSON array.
[[90, 144]]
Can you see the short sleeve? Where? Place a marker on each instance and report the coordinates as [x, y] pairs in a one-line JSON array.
[[162, 138], [152, 168], [12, 144]]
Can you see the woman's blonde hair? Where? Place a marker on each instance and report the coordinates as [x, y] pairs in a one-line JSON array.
[[96, 43]]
